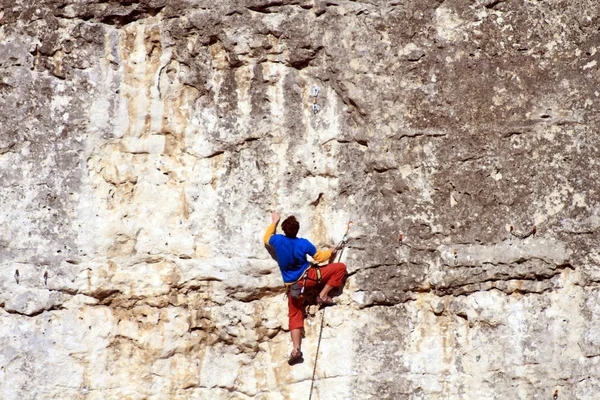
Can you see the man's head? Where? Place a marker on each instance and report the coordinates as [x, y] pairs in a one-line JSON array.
[[290, 226]]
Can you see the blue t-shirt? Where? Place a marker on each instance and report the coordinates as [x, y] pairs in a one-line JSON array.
[[291, 255]]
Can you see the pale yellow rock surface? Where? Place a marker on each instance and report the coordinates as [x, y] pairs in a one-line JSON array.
[[143, 146]]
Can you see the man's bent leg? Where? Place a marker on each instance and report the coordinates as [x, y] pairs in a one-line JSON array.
[[333, 276]]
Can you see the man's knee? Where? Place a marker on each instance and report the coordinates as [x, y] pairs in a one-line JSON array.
[[341, 267], [335, 274]]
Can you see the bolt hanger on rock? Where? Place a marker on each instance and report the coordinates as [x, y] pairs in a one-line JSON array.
[[315, 106]]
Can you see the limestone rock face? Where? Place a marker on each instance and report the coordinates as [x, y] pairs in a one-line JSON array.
[[144, 144]]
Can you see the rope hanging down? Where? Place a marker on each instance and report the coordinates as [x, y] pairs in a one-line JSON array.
[[340, 247], [312, 383]]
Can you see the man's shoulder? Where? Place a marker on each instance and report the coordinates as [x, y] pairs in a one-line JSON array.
[[305, 242], [275, 238]]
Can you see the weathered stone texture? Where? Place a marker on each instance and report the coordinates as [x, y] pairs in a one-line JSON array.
[[143, 145]]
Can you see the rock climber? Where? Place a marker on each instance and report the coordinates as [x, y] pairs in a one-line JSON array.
[[299, 273]]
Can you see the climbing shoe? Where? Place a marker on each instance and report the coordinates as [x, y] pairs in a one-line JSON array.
[[295, 358]]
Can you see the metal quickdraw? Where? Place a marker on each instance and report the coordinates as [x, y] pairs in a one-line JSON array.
[[342, 244]]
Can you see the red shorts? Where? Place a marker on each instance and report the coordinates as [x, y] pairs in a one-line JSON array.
[[331, 274]]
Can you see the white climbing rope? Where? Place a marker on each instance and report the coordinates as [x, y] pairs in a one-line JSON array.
[[312, 384]]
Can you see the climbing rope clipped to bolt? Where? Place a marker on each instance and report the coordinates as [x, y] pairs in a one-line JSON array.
[[342, 244]]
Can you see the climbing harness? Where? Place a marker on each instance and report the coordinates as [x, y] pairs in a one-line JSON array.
[[340, 247], [305, 277], [294, 290]]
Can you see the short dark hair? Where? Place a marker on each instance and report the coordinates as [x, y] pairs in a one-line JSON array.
[[290, 226]]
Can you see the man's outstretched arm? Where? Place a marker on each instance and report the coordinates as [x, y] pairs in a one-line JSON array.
[[271, 228]]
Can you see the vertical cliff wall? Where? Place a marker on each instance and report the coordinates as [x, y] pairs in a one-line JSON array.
[[143, 145]]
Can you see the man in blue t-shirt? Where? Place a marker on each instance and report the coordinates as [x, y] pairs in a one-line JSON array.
[[296, 269]]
